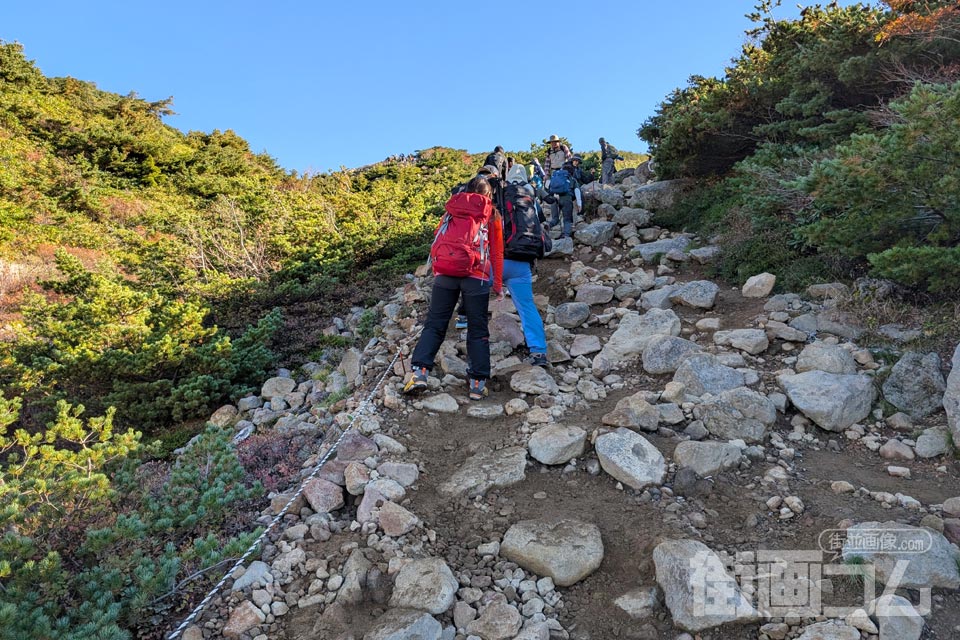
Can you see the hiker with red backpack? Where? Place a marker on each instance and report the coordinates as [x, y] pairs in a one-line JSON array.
[[525, 241], [467, 258]]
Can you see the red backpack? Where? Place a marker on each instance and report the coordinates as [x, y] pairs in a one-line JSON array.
[[461, 246]]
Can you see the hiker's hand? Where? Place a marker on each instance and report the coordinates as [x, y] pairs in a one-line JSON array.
[[501, 295]]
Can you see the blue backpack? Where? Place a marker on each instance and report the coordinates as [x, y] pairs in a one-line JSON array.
[[561, 182]]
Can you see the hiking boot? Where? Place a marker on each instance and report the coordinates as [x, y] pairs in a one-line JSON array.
[[461, 322], [418, 382], [538, 360], [478, 389]]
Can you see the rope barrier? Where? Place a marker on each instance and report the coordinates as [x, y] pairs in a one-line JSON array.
[[273, 523]]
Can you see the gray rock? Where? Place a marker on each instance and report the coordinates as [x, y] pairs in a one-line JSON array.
[[404, 473], [630, 458], [628, 290], [738, 414], [591, 293], [753, 341], [597, 233], [820, 356], [426, 584], [323, 496], [830, 290], [484, 471], [562, 247], [571, 315], [707, 458], [566, 550], [832, 401], [758, 286], [896, 617], [703, 373], [631, 337], [651, 251], [933, 442], [832, 630], [951, 397], [634, 412], [658, 195], [557, 444], [225, 416], [634, 216], [705, 255], [499, 621], [277, 387], [658, 298], [639, 604], [404, 624], [584, 345], [915, 385], [350, 365], [783, 331], [699, 294], [354, 578], [664, 354], [441, 403], [257, 573], [535, 381], [935, 567], [505, 327], [682, 563]]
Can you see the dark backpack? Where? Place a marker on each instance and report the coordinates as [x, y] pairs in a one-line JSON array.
[[461, 246], [523, 237], [560, 182]]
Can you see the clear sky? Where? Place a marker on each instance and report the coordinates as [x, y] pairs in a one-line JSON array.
[[324, 84]]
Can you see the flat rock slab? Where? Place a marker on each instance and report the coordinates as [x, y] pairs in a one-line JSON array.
[[557, 443], [441, 403], [484, 471], [630, 458], [683, 564], [830, 631], [566, 550]]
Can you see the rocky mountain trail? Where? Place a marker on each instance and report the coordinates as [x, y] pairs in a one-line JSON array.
[[687, 437]]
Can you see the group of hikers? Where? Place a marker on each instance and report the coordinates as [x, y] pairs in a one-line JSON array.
[[493, 231]]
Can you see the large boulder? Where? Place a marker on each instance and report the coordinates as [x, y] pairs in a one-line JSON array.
[[635, 331], [651, 251], [916, 385], [664, 354], [630, 458], [404, 624], [703, 373], [752, 341], [706, 458], [658, 195], [571, 315], [629, 215], [832, 401], [820, 356], [557, 443], [951, 397], [566, 550], [596, 234], [697, 589], [535, 381], [738, 414], [699, 294], [926, 558]]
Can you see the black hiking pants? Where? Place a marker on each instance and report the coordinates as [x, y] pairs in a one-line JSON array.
[[443, 302]]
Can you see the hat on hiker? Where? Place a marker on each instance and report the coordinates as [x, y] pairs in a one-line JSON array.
[[576, 158], [517, 174], [554, 138], [489, 169]]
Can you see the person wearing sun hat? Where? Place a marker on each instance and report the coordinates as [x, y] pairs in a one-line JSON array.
[[557, 154]]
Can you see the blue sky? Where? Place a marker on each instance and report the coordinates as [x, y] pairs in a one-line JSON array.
[[321, 85]]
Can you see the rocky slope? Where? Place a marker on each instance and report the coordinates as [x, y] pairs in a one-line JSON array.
[[699, 461]]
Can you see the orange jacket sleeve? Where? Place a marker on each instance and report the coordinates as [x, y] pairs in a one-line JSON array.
[[496, 251]]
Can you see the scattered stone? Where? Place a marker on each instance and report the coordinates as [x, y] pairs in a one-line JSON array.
[[585, 345], [820, 356], [639, 604], [571, 315], [699, 294], [937, 567], [707, 458], [277, 387], [752, 341], [831, 400], [833, 630], [635, 331], [663, 354], [405, 624], [633, 412], [395, 520], [630, 458], [915, 384], [535, 381], [425, 584], [951, 397], [758, 286], [323, 496], [557, 444], [738, 414], [933, 442], [499, 621], [257, 573], [441, 403], [897, 618], [703, 373], [243, 618], [591, 293]]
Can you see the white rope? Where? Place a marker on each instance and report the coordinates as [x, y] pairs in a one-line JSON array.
[[253, 546]]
